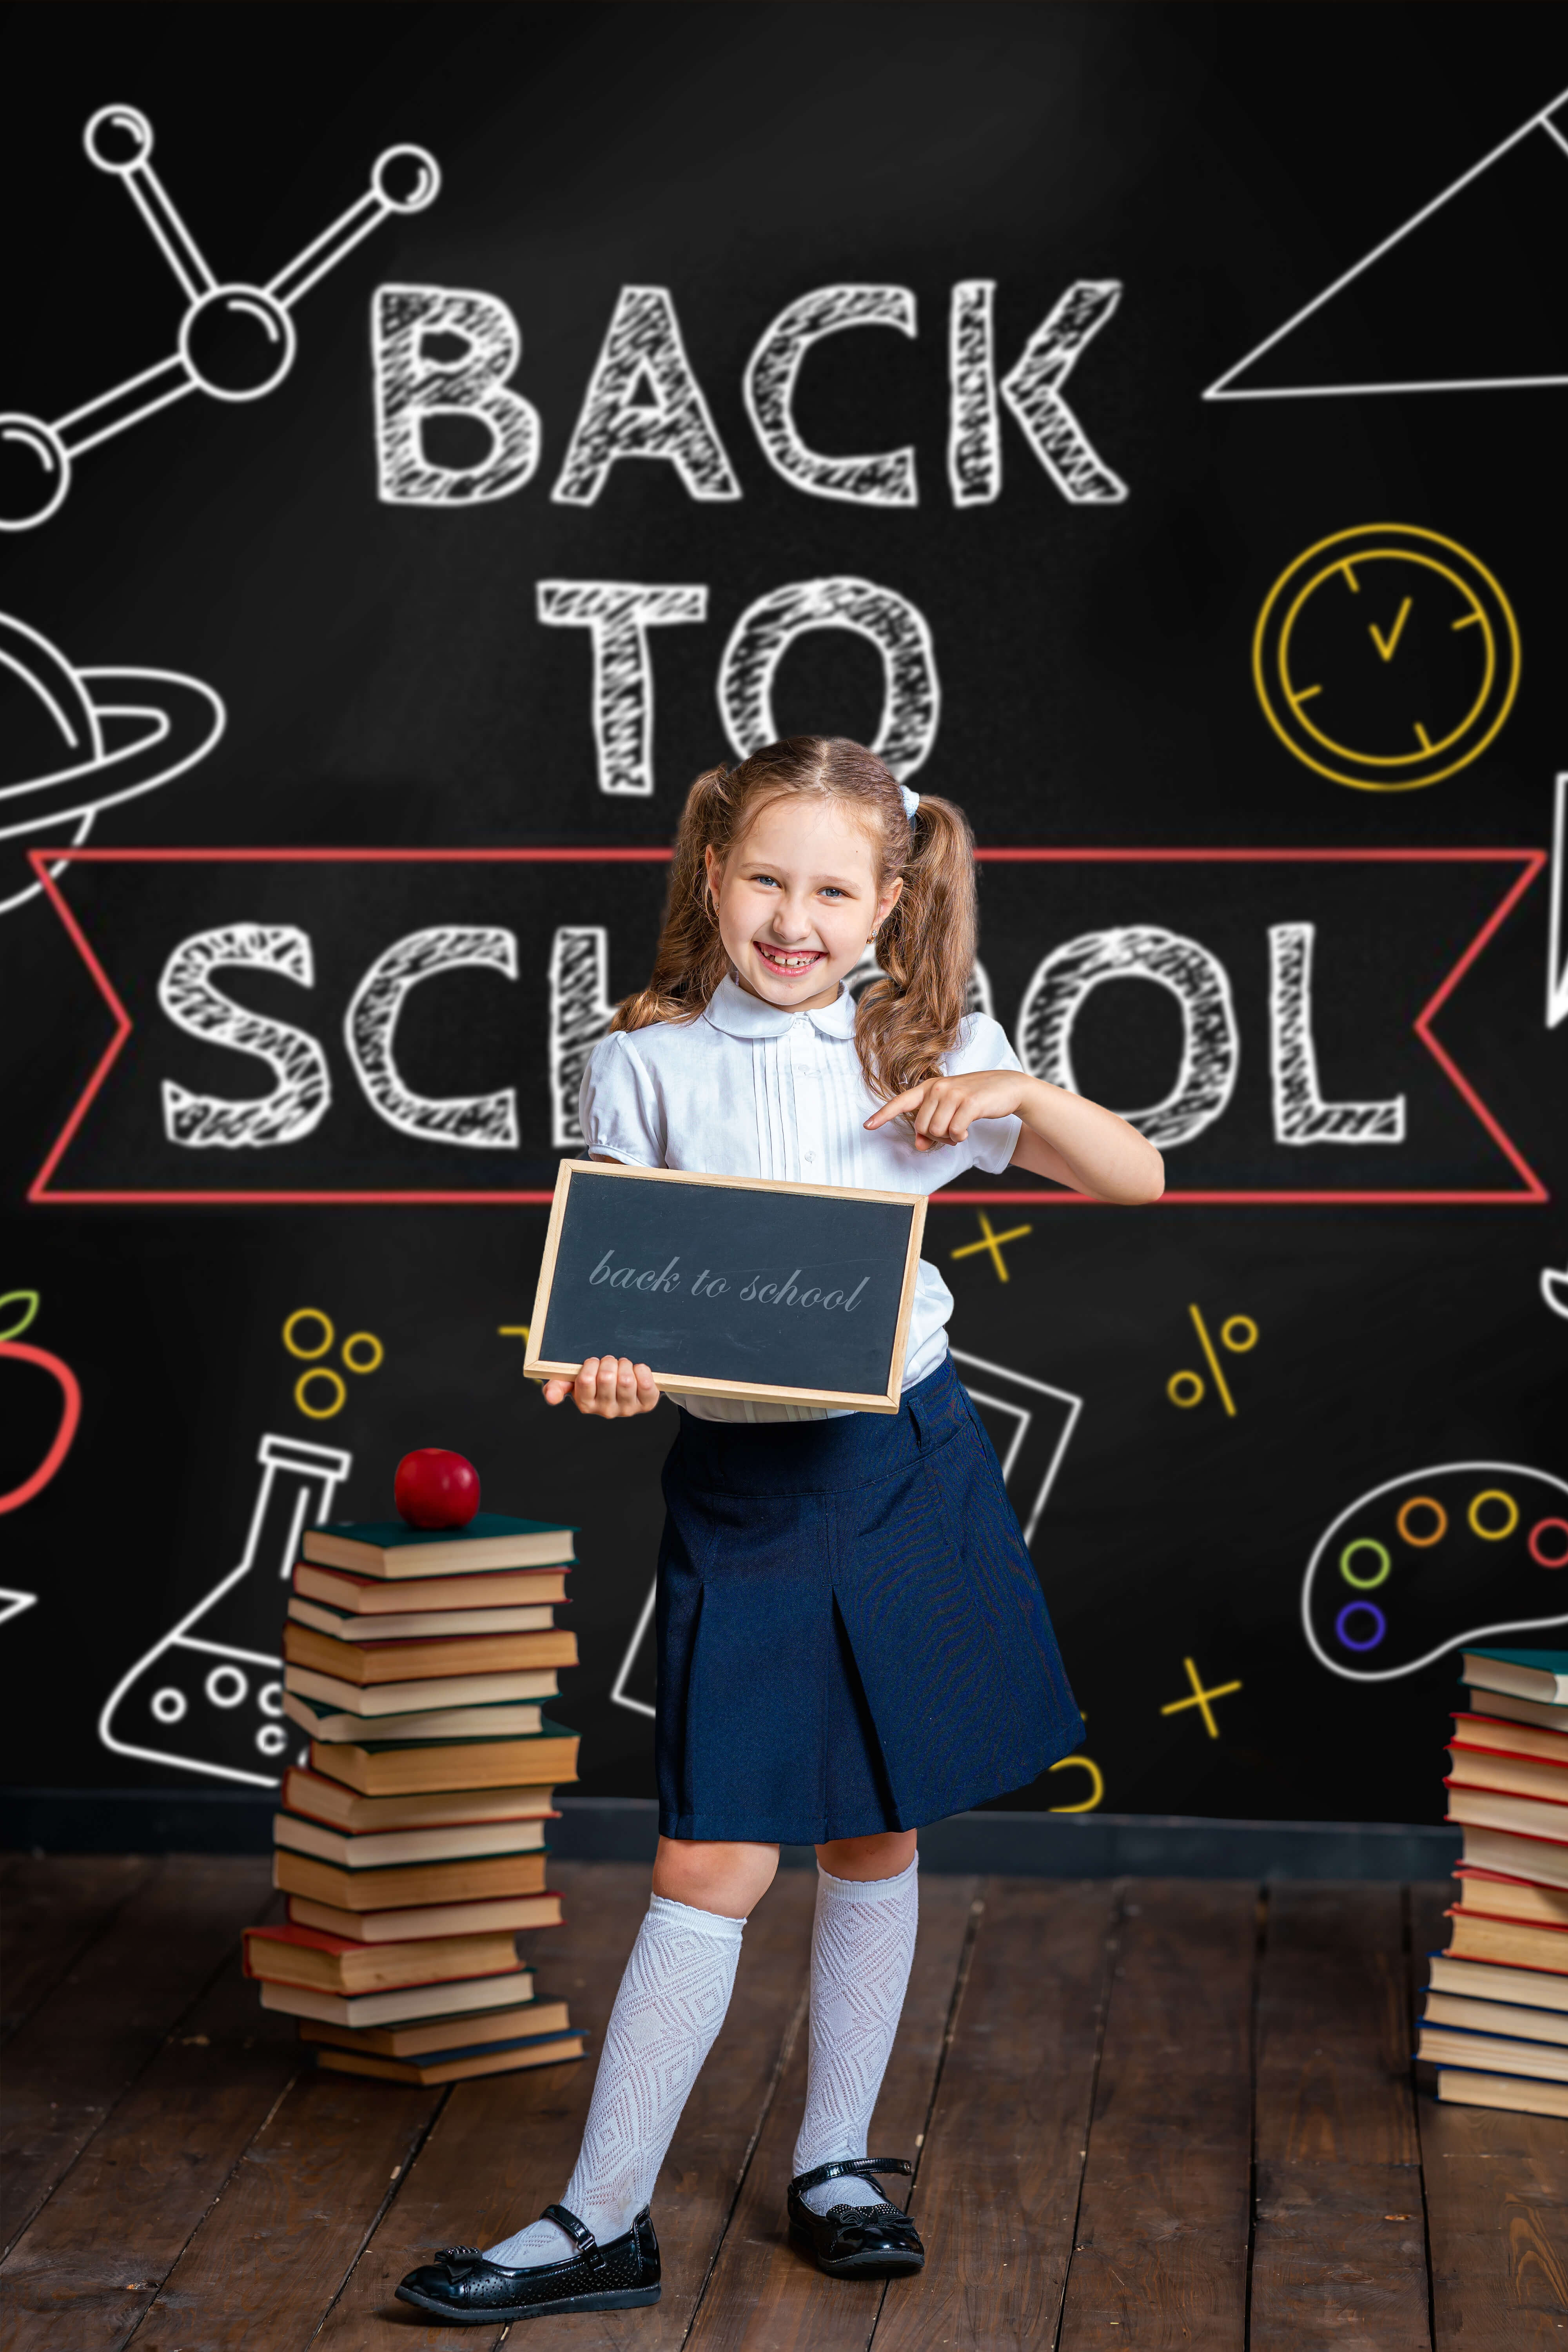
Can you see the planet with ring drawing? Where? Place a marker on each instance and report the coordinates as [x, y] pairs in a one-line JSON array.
[[78, 741]]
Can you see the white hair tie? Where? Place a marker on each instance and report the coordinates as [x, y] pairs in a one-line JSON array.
[[912, 802]]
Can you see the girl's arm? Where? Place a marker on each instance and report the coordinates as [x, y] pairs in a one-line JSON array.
[[1071, 1140]]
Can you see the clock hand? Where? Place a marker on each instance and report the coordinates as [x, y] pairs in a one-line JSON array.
[[1385, 645]]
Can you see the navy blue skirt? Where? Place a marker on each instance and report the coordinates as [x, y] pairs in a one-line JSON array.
[[851, 1634]]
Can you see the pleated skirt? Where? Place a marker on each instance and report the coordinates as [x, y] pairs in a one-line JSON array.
[[852, 1637]]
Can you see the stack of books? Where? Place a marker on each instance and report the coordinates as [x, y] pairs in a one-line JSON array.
[[1495, 2019], [411, 1843]]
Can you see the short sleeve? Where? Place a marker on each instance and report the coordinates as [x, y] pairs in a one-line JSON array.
[[983, 1045], [618, 1107]]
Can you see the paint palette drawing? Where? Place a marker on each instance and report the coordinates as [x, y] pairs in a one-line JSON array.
[[1460, 1553]]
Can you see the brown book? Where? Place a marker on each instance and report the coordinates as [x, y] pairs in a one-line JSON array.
[[1498, 2054], [1489, 1981], [1543, 1860], [1541, 1713], [1474, 1767], [1511, 1941], [1497, 1897], [1513, 1739], [513, 1914], [393, 1768], [1509, 2093], [321, 1800], [413, 1661], [1493, 1809], [474, 1880], [387, 1547], [479, 1995], [304, 1956], [431, 2035], [395, 1849], [496, 1588], [1498, 2016], [499, 2061]]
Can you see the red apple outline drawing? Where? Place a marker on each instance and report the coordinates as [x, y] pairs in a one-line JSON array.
[[70, 1414], [435, 1489]]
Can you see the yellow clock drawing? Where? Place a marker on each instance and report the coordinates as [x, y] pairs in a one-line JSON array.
[[1385, 657]]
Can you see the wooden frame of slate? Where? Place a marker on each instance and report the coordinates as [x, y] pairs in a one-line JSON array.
[[807, 1288]]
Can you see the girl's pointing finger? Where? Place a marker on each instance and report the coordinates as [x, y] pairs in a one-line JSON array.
[[896, 1109]]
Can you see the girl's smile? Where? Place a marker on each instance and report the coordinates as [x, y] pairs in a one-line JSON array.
[[799, 897]]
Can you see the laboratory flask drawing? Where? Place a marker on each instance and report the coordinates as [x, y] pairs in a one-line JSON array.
[[208, 1698], [234, 342]]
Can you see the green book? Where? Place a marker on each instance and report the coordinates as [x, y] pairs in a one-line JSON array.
[[386, 1547]]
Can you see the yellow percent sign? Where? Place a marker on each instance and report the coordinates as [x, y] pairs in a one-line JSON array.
[[1238, 1333], [361, 1352]]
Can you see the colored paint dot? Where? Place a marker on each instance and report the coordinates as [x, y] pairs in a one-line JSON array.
[[1342, 1634]]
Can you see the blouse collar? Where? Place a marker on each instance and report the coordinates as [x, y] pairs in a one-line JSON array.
[[738, 1014]]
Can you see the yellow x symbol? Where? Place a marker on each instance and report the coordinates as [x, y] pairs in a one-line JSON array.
[[992, 1242], [1200, 1699]]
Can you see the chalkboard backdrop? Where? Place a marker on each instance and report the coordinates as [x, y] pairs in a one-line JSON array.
[[434, 435]]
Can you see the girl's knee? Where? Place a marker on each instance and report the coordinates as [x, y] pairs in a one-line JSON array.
[[729, 1878], [883, 1856]]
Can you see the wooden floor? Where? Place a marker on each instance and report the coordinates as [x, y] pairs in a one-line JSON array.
[[1149, 2114]]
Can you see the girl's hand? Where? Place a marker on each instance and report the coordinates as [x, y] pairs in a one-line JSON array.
[[942, 1109], [611, 1388]]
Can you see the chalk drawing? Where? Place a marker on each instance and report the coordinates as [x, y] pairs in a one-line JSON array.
[[580, 1015], [1240, 1334], [618, 615], [1554, 1290], [1300, 1114], [1029, 1422], [480, 1122], [886, 479], [1457, 1553], [974, 418], [23, 1307], [643, 350], [992, 1241], [1200, 1699], [11, 1603], [411, 388], [1211, 1046], [1031, 391], [767, 630], [1556, 972], [320, 1391], [236, 341], [1385, 657], [303, 1094], [208, 1698], [78, 741], [1080, 1763], [1226, 387]]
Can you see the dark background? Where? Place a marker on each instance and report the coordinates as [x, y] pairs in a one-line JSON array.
[[387, 684]]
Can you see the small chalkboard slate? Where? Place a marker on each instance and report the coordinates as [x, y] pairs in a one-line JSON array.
[[728, 1285]]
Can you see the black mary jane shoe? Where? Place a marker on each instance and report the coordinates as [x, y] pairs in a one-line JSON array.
[[857, 2240], [466, 2291]]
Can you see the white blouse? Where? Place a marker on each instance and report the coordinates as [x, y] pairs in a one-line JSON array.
[[748, 1090]]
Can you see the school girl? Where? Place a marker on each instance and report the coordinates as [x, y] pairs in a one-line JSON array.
[[851, 1635]]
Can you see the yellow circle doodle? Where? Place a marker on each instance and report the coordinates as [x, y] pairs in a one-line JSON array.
[[308, 1315], [1492, 1495], [1421, 1503], [368, 1339], [320, 1412], [1097, 1780], [1379, 1574], [1190, 1396], [1385, 657], [1230, 1334]]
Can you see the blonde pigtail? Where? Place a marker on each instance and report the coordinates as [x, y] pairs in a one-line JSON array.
[[926, 947]]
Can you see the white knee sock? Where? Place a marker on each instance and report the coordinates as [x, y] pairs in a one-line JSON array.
[[670, 2005], [861, 1949]]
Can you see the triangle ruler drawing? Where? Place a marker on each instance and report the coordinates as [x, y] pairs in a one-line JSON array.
[[1459, 297]]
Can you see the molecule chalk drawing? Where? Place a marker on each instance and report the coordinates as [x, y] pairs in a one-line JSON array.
[[320, 1391], [1238, 1333], [1461, 1552], [208, 1698], [78, 741], [234, 342]]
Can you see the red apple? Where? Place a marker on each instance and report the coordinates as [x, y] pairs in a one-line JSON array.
[[434, 1488]]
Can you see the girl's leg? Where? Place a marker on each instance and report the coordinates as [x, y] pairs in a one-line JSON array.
[[863, 1942], [670, 2005]]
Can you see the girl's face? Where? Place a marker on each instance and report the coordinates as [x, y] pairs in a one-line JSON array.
[[799, 897]]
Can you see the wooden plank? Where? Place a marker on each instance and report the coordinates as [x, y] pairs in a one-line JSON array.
[[1339, 2250], [1000, 2174], [505, 2149], [1159, 2258], [1497, 2201], [765, 2295], [90, 2038], [54, 1906], [82, 2277]]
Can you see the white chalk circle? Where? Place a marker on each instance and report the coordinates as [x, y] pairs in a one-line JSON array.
[[168, 1704], [226, 1687], [272, 1739]]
